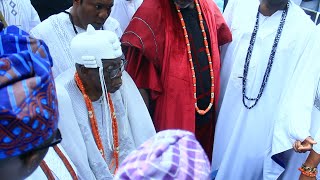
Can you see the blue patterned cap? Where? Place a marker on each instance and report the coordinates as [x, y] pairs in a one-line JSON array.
[[169, 155], [28, 106]]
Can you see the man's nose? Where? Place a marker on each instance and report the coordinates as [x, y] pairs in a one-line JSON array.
[[104, 14]]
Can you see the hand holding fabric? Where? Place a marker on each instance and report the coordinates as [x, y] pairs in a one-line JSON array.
[[306, 145]]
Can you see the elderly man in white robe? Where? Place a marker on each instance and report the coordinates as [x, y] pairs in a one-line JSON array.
[[20, 13], [58, 30], [107, 105], [301, 110], [256, 68], [123, 10]]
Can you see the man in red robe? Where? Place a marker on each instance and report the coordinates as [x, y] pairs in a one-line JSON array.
[[156, 48]]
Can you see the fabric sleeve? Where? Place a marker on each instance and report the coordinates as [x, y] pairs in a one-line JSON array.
[[35, 19], [73, 142], [229, 11], [223, 31], [143, 72], [316, 147], [301, 93]]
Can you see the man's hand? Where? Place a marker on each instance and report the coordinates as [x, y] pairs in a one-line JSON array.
[[306, 145]]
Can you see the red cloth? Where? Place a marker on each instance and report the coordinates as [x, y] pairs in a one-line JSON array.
[[157, 59]]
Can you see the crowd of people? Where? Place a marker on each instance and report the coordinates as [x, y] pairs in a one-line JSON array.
[[158, 89]]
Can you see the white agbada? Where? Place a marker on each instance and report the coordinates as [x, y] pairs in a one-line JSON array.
[[72, 139], [243, 138], [20, 13], [56, 165], [301, 110], [298, 2], [123, 10], [134, 122], [57, 32]]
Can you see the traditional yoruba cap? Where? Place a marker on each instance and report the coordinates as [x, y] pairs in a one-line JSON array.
[[170, 154], [28, 105], [90, 47]]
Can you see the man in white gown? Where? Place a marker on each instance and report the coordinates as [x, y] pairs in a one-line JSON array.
[[19, 13], [123, 10], [105, 101], [253, 82], [58, 30], [301, 109]]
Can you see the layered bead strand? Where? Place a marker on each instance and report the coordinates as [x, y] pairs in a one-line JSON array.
[[46, 170], [115, 135], [92, 117], [205, 41], [65, 162], [94, 125]]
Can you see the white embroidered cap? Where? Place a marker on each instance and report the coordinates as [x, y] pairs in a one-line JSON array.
[[90, 47]]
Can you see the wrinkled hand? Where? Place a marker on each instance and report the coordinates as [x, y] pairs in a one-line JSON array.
[[306, 145], [303, 177]]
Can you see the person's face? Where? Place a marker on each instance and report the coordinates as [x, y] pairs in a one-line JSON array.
[[94, 12], [183, 3], [20, 167], [112, 70]]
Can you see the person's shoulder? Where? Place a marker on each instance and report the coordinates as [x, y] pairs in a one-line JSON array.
[[65, 78], [300, 16], [299, 22], [45, 26], [149, 8]]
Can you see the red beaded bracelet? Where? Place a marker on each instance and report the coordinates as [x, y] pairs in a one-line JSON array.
[[308, 171]]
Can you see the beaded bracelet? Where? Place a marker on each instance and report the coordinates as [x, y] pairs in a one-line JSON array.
[[308, 171]]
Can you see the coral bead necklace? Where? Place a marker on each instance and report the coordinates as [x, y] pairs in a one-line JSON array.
[[94, 125], [205, 41]]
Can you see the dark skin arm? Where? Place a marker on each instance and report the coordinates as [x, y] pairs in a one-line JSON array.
[[312, 161]]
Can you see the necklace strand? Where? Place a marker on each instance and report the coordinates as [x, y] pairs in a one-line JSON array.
[[205, 41], [94, 125], [45, 168], [65, 162], [270, 63]]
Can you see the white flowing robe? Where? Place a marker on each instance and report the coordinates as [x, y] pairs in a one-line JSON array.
[[301, 109], [134, 122], [243, 138], [72, 139], [20, 13], [57, 32], [123, 10], [298, 2], [56, 165]]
